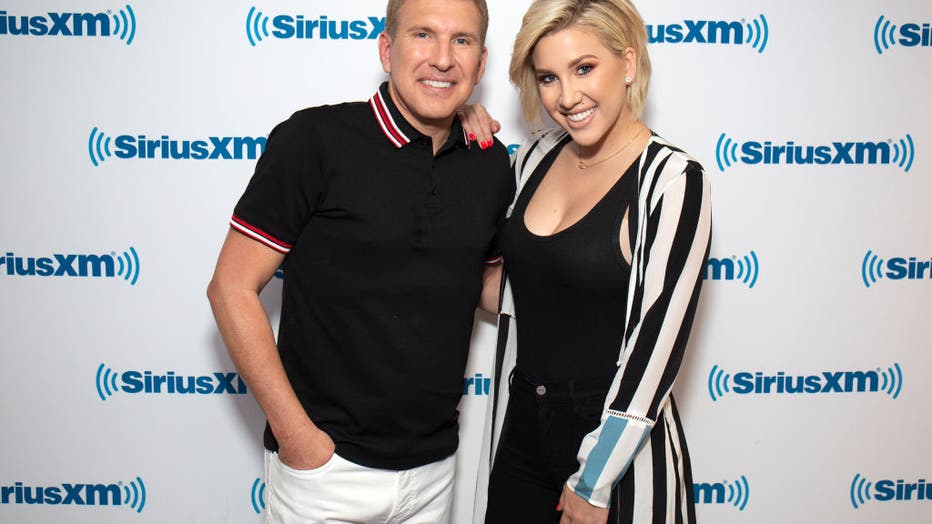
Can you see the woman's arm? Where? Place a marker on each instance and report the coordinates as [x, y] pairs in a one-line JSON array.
[[670, 254]]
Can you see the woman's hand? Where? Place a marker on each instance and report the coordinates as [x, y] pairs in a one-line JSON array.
[[478, 124], [577, 511]]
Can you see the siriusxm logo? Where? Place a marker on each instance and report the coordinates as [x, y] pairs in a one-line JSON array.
[[257, 496], [759, 383], [887, 35], [168, 148], [897, 268], [900, 152], [734, 493], [286, 27], [109, 382], [744, 269], [477, 385], [734, 32], [863, 490], [104, 24], [125, 266], [131, 494]]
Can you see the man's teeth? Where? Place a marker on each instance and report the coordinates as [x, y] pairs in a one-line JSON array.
[[438, 84], [579, 117]]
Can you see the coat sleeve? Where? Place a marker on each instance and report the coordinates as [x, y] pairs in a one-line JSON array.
[[670, 253]]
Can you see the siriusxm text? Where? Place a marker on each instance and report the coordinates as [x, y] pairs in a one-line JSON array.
[[721, 269], [704, 493], [899, 490], [835, 153], [827, 382], [697, 31], [899, 268], [477, 385], [64, 494], [211, 148], [914, 35], [56, 24], [169, 383], [286, 27], [59, 265]]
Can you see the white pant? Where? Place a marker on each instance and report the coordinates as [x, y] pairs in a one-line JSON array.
[[347, 493]]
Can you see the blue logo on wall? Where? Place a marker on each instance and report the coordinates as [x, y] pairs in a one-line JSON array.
[[863, 490], [742, 269], [121, 24], [755, 33], [897, 268], [898, 152], [167, 148], [125, 266], [889, 381], [734, 493], [888, 35], [110, 382], [257, 496], [477, 385], [131, 494], [286, 27]]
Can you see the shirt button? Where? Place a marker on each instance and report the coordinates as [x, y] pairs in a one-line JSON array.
[[541, 390]]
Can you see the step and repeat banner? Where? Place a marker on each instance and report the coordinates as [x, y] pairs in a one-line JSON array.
[[129, 130]]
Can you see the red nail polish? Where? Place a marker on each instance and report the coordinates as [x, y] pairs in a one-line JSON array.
[[472, 137], [559, 507], [484, 145]]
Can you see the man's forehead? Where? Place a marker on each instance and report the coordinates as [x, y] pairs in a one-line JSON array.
[[437, 15]]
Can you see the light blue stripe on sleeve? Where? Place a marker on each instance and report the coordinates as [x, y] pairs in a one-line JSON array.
[[598, 457]]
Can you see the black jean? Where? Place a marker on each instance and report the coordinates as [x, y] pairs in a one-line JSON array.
[[544, 425]]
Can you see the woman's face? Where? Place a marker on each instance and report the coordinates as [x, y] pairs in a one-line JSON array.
[[582, 85]]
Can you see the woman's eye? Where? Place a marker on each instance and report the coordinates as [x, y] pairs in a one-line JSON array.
[[583, 69], [546, 79]]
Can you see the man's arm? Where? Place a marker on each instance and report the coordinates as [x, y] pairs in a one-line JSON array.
[[243, 269]]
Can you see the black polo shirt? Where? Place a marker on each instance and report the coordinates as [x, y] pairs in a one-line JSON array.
[[385, 246]]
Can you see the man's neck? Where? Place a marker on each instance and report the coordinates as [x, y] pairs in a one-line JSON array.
[[438, 131]]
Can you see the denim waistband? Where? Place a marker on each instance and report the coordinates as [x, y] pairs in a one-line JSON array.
[[568, 390]]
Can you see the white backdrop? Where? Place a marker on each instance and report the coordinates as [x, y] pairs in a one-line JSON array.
[[820, 274]]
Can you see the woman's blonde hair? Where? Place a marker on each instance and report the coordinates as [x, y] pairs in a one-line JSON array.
[[618, 26]]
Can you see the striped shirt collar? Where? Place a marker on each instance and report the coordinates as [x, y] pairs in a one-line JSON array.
[[394, 126]]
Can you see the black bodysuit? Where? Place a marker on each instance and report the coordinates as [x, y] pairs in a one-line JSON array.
[[570, 287]]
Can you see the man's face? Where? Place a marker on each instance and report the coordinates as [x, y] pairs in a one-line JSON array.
[[434, 60]]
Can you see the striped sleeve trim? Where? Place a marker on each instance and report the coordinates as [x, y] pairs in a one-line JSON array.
[[601, 458], [495, 260], [259, 235]]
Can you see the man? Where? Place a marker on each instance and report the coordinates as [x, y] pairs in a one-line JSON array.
[[383, 218]]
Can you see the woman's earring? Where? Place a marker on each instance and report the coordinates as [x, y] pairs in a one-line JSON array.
[[628, 80]]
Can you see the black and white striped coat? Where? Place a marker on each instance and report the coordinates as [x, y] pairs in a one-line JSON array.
[[638, 448]]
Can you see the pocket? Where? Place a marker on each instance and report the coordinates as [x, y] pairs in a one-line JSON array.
[[303, 473]]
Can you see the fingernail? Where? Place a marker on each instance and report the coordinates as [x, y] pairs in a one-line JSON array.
[[472, 137], [483, 145], [559, 507]]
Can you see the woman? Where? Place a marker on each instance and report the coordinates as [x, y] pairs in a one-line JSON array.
[[603, 255]]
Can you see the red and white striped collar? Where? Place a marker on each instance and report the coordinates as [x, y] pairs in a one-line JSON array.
[[394, 126]]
